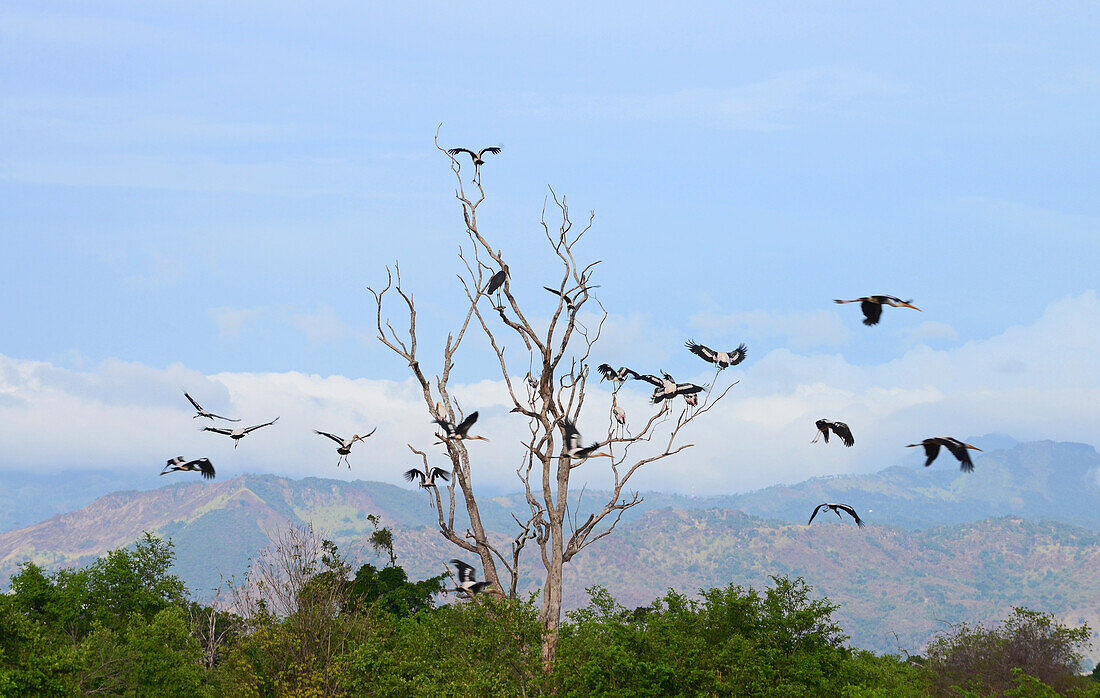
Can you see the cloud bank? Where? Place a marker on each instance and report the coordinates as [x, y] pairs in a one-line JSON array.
[[1035, 381]]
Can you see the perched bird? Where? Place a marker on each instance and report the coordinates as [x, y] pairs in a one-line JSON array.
[[667, 388], [573, 448], [837, 508], [180, 464], [238, 434], [618, 413], [496, 282], [466, 582], [839, 428], [427, 476], [872, 306], [617, 378], [344, 449], [452, 432], [956, 447], [569, 304], [478, 161], [204, 413], [722, 358]]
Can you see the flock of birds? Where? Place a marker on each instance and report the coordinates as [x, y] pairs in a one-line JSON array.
[[665, 390]]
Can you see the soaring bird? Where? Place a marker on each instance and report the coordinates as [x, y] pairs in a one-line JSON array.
[[181, 464], [466, 582], [573, 448], [204, 413], [872, 306], [837, 508], [478, 162], [569, 304], [496, 282], [722, 358], [452, 432], [238, 434], [617, 378], [667, 388], [839, 428], [957, 448], [344, 449], [427, 476]]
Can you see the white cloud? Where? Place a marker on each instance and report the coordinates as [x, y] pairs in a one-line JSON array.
[[1035, 381], [802, 330]]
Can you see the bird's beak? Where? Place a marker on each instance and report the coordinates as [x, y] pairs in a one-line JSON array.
[[973, 447], [908, 305]]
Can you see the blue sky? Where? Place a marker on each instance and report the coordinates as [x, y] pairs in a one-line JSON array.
[[210, 187]]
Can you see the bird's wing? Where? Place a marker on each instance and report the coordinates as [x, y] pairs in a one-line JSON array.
[[688, 388], [364, 437], [218, 430], [819, 507], [931, 449], [465, 572], [192, 401], [496, 282], [205, 466], [465, 425], [334, 437], [850, 510], [607, 372], [871, 312], [440, 473], [653, 380], [456, 151], [492, 151], [841, 429], [265, 424], [413, 473], [702, 352], [572, 435], [218, 416], [738, 355], [958, 449]]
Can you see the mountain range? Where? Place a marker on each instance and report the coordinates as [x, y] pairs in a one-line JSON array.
[[941, 546]]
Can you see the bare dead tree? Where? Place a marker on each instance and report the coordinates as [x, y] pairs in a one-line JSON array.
[[552, 392]]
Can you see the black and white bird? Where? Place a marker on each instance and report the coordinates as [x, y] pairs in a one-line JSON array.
[[618, 377], [839, 428], [238, 434], [181, 464], [476, 157], [466, 582], [872, 306], [570, 305], [344, 449], [618, 413], [573, 448], [427, 476], [723, 359], [837, 508], [956, 447], [459, 432], [203, 413], [667, 388]]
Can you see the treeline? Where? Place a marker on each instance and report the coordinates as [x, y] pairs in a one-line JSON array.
[[305, 624]]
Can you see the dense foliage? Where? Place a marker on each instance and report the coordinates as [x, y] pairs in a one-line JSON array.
[[124, 626]]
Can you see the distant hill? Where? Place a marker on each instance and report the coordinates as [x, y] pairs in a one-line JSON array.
[[942, 546]]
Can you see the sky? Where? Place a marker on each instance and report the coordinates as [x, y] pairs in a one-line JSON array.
[[197, 195]]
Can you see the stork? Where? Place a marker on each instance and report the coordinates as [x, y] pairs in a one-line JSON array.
[[238, 434], [618, 413], [466, 582], [723, 359], [181, 464], [839, 428], [956, 447], [573, 449], [427, 476], [344, 449], [459, 432], [872, 306], [837, 508], [476, 157], [618, 377], [667, 388], [569, 303], [203, 413]]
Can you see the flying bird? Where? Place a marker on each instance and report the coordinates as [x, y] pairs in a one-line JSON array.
[[956, 447], [427, 476], [667, 388], [204, 413], [466, 582], [453, 432], [617, 378], [837, 508], [839, 428], [478, 161], [344, 449], [573, 448], [723, 359], [872, 306], [238, 434], [181, 464], [569, 304], [496, 282]]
